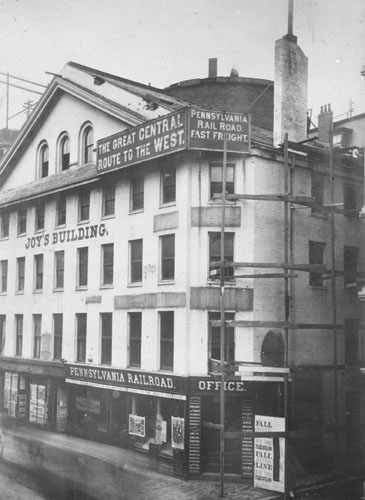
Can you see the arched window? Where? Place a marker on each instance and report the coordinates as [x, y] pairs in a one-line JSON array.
[[43, 160], [87, 144], [273, 349], [64, 152]]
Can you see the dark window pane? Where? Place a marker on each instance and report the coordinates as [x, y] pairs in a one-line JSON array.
[[106, 337], [20, 271], [81, 325], [22, 221], [61, 210], [168, 185], [168, 257], [109, 201], [135, 334], [108, 264], [88, 145], [37, 327], [137, 193], [4, 275], [216, 179], [215, 253], [60, 268], [38, 261], [136, 249], [19, 334], [83, 266], [57, 335], [167, 340], [39, 216], [4, 225], [84, 206], [43, 157], [350, 266], [65, 153], [316, 252], [215, 336]]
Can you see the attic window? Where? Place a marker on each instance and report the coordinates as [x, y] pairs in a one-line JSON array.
[[65, 153], [87, 145], [43, 161]]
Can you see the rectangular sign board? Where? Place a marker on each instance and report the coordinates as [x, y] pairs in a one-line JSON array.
[[269, 454], [186, 129], [207, 130], [152, 139]]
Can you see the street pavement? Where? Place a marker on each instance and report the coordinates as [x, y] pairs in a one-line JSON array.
[[70, 468]]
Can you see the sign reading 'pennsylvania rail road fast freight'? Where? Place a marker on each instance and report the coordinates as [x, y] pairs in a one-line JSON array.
[[186, 129]]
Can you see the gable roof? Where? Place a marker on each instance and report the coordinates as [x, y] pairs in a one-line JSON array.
[[128, 101]]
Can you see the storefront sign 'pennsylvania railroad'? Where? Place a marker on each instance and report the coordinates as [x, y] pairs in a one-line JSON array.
[[189, 128], [147, 383]]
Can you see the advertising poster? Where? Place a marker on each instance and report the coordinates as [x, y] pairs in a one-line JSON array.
[[177, 433], [161, 430], [269, 467], [137, 425]]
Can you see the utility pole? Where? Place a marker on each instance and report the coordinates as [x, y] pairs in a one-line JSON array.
[[222, 309]]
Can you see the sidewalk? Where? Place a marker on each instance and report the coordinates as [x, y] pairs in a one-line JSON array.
[[100, 468]]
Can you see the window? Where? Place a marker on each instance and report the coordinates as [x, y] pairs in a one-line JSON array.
[[37, 327], [59, 268], [4, 225], [168, 185], [106, 338], [81, 325], [135, 339], [82, 257], [317, 190], [18, 335], [216, 179], [22, 221], [108, 201], [351, 341], [215, 254], [316, 255], [57, 335], [38, 272], [107, 264], [137, 193], [136, 256], [64, 153], [167, 340], [2, 331], [61, 210], [350, 200], [167, 257], [214, 344], [4, 276], [43, 160], [39, 216], [350, 263], [20, 264], [87, 144], [84, 206]]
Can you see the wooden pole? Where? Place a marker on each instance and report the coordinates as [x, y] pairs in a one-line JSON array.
[[286, 305], [222, 309]]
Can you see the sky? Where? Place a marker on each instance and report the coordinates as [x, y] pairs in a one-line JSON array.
[[165, 41]]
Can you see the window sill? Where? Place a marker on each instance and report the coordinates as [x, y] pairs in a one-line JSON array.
[[60, 226], [166, 205], [134, 367], [19, 292], [137, 211], [21, 235], [82, 222], [166, 282], [219, 202], [107, 286], [4, 293], [40, 230], [81, 288], [135, 284], [58, 289], [108, 217], [4, 238], [38, 291], [166, 370]]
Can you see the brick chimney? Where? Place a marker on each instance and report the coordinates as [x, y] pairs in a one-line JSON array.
[[290, 87], [325, 123], [212, 71]]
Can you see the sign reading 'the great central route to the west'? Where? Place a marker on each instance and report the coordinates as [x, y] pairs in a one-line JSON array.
[[188, 128]]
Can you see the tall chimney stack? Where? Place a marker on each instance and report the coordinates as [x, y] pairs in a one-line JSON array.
[[291, 86], [325, 123], [213, 64]]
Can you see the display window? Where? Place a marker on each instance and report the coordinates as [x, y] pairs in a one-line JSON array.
[[157, 421]]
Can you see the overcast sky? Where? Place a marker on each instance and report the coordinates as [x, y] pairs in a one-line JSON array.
[[165, 41]]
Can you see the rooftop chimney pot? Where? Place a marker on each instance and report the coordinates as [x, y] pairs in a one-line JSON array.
[[213, 64]]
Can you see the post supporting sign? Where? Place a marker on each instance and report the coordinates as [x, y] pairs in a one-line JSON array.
[[269, 459], [186, 129]]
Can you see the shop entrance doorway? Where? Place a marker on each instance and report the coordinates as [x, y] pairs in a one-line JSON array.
[[210, 437]]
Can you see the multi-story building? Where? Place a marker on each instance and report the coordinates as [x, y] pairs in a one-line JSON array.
[[109, 303]]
